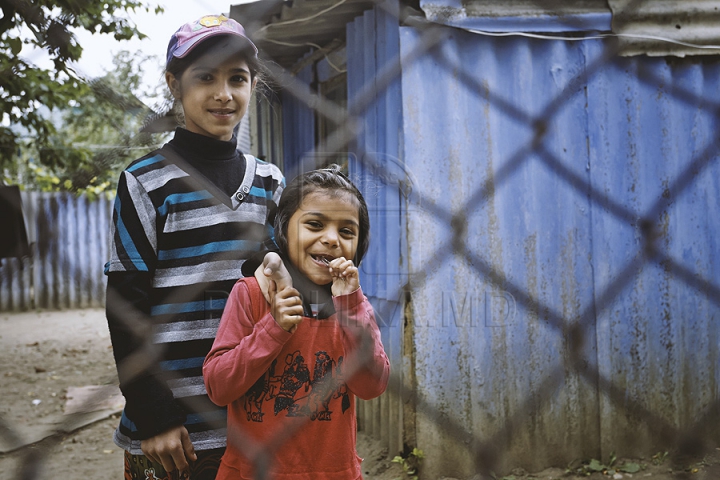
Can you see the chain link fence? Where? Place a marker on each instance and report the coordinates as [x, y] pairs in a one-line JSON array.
[[574, 330]]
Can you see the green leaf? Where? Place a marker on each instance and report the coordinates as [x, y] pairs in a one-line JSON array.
[[15, 45], [630, 467], [596, 466]]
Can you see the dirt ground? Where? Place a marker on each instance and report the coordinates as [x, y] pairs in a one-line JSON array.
[[45, 359]]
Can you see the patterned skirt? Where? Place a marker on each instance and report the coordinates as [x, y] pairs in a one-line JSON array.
[[139, 467]]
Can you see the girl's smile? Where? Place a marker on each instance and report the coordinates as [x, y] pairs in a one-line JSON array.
[[323, 228]]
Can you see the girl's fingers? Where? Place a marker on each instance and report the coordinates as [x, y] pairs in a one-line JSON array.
[[167, 462], [274, 268], [271, 263], [288, 309], [347, 271], [271, 291], [188, 447], [341, 267]]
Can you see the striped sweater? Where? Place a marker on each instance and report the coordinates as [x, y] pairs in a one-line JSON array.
[[178, 244]]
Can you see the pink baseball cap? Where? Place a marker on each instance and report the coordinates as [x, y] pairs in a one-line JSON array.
[[193, 33]]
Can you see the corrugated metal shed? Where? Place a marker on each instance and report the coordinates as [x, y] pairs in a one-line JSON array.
[[514, 250], [487, 359], [287, 30]]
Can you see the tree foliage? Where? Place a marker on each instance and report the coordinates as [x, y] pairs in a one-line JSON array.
[[97, 136], [28, 92]]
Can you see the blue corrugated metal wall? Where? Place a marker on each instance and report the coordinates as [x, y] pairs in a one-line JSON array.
[[69, 238], [653, 150], [298, 123], [546, 334], [377, 167]]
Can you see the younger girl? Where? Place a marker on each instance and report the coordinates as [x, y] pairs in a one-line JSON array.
[[289, 369], [186, 217]]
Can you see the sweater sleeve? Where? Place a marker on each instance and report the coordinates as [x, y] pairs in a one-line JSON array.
[[244, 347], [367, 367], [128, 315]]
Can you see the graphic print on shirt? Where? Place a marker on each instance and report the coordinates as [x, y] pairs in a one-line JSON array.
[[294, 377], [297, 393], [150, 474], [257, 394]]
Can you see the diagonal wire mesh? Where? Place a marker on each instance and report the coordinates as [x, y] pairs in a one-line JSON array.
[[573, 331]]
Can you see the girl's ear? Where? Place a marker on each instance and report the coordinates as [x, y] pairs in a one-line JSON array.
[[254, 82], [173, 84]]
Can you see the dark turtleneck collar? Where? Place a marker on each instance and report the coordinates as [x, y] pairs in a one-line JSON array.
[[197, 147], [219, 161]]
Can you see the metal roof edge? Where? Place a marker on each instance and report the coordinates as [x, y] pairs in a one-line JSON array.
[[664, 27], [587, 22]]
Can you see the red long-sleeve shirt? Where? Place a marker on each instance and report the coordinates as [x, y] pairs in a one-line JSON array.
[[291, 396]]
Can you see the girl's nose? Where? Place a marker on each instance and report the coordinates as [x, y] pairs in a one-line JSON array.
[[223, 93], [330, 238]]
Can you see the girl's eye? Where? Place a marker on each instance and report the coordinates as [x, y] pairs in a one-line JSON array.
[[314, 224], [205, 77], [348, 232], [238, 79]]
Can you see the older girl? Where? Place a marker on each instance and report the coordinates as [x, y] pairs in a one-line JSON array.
[[186, 216]]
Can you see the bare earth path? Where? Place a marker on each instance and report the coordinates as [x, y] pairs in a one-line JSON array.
[[44, 355]]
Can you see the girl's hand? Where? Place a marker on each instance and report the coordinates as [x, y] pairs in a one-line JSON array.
[[286, 307], [172, 449], [345, 276], [272, 270]]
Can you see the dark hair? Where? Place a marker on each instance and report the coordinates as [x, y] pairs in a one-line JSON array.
[[223, 46], [330, 180]]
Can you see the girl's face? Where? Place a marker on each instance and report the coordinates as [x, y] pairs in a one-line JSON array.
[[214, 96], [324, 227]]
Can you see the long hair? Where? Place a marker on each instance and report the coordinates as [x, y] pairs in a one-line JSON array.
[[329, 180]]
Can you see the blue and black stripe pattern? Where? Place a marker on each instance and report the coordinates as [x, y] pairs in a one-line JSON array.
[[193, 243]]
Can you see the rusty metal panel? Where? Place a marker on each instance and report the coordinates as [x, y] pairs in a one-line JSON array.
[[520, 15], [667, 27], [649, 27]]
